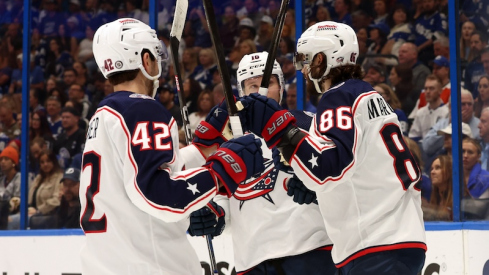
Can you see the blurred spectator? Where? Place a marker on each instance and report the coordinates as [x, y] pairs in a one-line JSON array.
[[246, 30], [482, 100], [322, 14], [247, 46], [68, 215], [206, 102], [427, 28], [265, 32], [77, 94], [234, 58], [290, 23], [218, 94], [441, 47], [475, 69], [43, 195], [85, 52], [484, 136], [375, 74], [72, 140], [35, 100], [133, 9], [286, 48], [229, 29], [48, 26], [69, 78], [381, 9], [57, 60], [342, 9], [189, 62], [203, 72], [191, 91], [10, 127], [288, 69], [5, 15], [446, 134], [62, 96], [428, 115], [82, 122], [10, 177], [401, 79], [390, 97], [36, 76], [476, 178], [440, 205], [291, 99], [39, 128], [53, 109], [441, 69], [50, 84], [468, 29], [250, 10], [166, 96], [200, 28], [37, 146], [475, 11], [400, 33], [83, 79], [408, 55], [362, 38], [360, 19]]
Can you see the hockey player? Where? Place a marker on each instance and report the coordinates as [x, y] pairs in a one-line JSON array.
[[271, 233], [354, 158], [135, 200]]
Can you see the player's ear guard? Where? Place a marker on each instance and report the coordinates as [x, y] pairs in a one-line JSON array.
[[235, 161]]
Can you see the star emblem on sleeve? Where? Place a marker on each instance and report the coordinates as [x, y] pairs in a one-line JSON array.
[[193, 188], [313, 161]]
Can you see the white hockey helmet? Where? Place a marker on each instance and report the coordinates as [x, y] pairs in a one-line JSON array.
[[337, 41], [118, 46], [253, 65]]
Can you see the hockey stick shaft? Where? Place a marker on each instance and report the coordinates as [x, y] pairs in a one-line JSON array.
[[181, 8], [175, 37], [221, 66], [272, 51]]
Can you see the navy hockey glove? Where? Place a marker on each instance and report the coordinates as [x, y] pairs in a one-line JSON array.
[[299, 192], [236, 160], [207, 220], [264, 117], [215, 128]]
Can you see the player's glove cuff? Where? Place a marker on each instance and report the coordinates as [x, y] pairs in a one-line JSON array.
[[214, 130]]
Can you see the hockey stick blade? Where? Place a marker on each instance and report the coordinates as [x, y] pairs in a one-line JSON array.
[[272, 51], [175, 37], [222, 68]]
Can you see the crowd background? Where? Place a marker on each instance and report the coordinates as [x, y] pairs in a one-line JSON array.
[[404, 51]]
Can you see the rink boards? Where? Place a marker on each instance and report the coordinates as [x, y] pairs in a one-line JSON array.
[[453, 248]]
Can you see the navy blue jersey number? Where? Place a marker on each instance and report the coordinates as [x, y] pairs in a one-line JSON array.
[[404, 164], [88, 224]]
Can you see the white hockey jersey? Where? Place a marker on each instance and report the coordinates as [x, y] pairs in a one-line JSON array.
[[134, 200], [363, 173], [265, 222]]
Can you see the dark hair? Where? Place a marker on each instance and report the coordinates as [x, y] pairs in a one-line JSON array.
[[201, 96], [390, 18], [195, 90], [343, 73], [76, 105], [121, 77], [405, 86], [70, 69], [478, 103], [482, 36], [52, 158], [71, 110], [62, 98], [44, 129]]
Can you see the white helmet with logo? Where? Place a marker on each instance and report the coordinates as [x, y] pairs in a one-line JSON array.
[[253, 65], [118, 46], [337, 41]]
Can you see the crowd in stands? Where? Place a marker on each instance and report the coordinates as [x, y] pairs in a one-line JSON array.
[[404, 51]]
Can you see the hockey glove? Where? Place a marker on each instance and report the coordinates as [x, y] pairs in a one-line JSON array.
[[264, 117], [235, 161], [215, 128], [207, 220], [299, 192]]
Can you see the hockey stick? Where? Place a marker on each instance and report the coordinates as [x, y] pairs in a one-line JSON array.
[[175, 37], [181, 8], [272, 51], [223, 71]]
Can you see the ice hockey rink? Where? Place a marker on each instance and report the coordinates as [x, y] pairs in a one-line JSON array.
[[453, 249]]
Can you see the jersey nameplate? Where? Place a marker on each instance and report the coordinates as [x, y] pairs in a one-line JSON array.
[[378, 107], [92, 129]]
